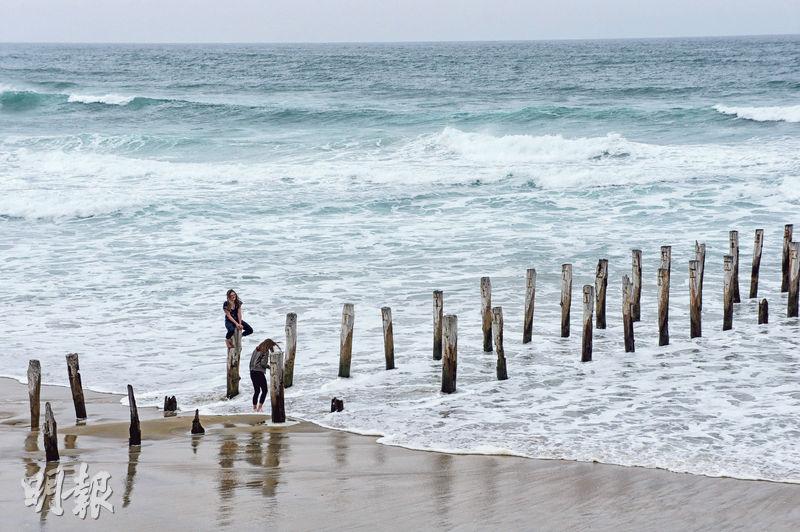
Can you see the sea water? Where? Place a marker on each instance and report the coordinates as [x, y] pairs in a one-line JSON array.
[[139, 183]]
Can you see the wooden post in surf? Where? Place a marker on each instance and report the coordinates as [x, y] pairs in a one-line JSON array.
[[588, 311], [197, 427], [291, 349], [135, 433], [666, 258], [663, 306], [497, 329], [486, 313], [450, 358], [74, 373], [758, 244], [627, 314], [600, 287], [787, 240], [727, 293], [530, 297], [763, 312], [34, 391], [794, 278], [734, 252], [170, 406], [695, 291], [700, 257], [438, 314], [346, 340], [636, 284], [234, 357], [566, 298], [50, 435], [276, 387], [388, 337]]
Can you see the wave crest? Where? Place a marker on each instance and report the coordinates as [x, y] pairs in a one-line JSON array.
[[108, 99], [788, 113]]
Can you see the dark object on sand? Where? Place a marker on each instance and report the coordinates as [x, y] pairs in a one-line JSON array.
[[197, 428], [170, 406], [337, 405]]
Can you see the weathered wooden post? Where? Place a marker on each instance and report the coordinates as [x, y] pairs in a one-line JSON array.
[[627, 314], [666, 258], [787, 240], [291, 349], [600, 286], [234, 358], [734, 252], [663, 306], [34, 391], [700, 256], [450, 359], [74, 373], [794, 278], [566, 298], [695, 291], [759, 242], [588, 311], [438, 314], [486, 313], [197, 428], [276, 387], [636, 284], [388, 337], [50, 435], [134, 433], [530, 297], [170, 406], [727, 293], [763, 312], [497, 329], [346, 340]]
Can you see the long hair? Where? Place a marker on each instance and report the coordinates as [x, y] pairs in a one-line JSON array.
[[267, 346], [228, 294]]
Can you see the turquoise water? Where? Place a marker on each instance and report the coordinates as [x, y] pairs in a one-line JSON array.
[[140, 182]]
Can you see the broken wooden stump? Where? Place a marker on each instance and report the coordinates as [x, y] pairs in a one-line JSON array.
[[170, 406], [530, 298], [734, 253], [291, 349], [135, 433], [74, 373], [438, 313], [388, 337], [695, 291], [763, 312], [337, 405], [627, 314], [234, 358], [727, 292], [276, 387], [346, 340], [636, 284], [663, 305], [197, 428], [486, 313], [497, 329], [50, 435], [757, 245], [34, 391], [566, 298], [450, 355], [588, 318], [785, 262], [600, 287]]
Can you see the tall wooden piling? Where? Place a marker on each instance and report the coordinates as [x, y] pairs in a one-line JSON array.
[[663, 305], [566, 298], [450, 358], [600, 287], [388, 336], [695, 291], [74, 373], [134, 433], [34, 391], [276, 387], [794, 278], [700, 257], [785, 263], [438, 314], [346, 340], [234, 358], [727, 292], [50, 434], [627, 314], [636, 284], [486, 313], [497, 330], [588, 315], [530, 298], [666, 258], [757, 245], [291, 349], [763, 312], [734, 252]]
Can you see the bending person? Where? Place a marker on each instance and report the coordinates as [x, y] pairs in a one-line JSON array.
[[259, 364]]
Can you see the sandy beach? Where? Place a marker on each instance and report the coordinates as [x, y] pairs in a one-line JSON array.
[[244, 474]]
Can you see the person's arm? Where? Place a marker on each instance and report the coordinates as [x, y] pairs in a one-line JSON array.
[[228, 314], [240, 318]]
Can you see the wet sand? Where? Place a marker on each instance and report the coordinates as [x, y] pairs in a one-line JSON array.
[[244, 474]]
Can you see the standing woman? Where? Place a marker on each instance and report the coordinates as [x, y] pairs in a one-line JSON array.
[[233, 317]]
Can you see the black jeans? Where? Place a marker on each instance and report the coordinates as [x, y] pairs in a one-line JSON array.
[[246, 329], [260, 385]]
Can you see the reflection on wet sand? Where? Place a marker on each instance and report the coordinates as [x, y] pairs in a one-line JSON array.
[[442, 474], [228, 478], [133, 461]]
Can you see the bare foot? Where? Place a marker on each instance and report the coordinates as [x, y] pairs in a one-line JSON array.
[[255, 409], [260, 408]]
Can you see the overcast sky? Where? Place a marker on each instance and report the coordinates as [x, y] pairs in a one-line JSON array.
[[386, 20]]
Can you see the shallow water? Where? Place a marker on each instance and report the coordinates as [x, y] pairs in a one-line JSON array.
[[143, 181]]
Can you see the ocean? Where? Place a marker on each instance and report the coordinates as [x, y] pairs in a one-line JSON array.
[[140, 182]]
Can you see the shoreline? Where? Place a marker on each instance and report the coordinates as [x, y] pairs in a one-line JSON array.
[[303, 476]]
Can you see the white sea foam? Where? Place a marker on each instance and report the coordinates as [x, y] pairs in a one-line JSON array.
[[109, 99], [786, 113]]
